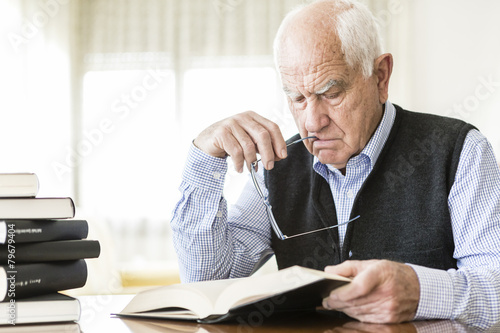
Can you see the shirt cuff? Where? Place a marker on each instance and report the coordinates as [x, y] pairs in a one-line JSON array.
[[204, 171], [436, 293]]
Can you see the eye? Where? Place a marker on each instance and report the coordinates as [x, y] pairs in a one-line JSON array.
[[332, 95], [298, 99]]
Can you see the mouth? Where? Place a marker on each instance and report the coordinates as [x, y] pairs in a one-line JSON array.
[[312, 139], [320, 143], [321, 139]]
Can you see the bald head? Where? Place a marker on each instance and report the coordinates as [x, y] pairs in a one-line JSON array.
[[343, 28]]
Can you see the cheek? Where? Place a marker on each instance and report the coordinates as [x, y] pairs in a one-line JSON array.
[[299, 122], [350, 115]]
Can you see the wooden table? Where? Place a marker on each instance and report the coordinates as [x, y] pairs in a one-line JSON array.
[[96, 317]]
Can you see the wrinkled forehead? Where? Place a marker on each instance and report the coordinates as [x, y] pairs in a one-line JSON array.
[[305, 60], [306, 55]]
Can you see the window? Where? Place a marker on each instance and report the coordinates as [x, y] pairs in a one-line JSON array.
[[134, 145], [128, 141]]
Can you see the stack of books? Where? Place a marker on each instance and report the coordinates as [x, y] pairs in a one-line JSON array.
[[42, 252]]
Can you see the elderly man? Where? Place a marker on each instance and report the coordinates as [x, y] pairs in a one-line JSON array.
[[426, 188]]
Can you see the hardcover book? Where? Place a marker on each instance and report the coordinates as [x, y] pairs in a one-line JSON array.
[[51, 251], [292, 289], [27, 280], [36, 208], [18, 185], [41, 309], [29, 231]]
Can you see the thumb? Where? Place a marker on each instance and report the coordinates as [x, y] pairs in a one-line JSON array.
[[348, 268]]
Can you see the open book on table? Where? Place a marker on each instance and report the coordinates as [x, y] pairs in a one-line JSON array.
[[291, 289]]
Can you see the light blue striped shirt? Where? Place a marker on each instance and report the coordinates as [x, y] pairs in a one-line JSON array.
[[213, 242]]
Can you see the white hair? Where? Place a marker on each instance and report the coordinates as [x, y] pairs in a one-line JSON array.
[[356, 28]]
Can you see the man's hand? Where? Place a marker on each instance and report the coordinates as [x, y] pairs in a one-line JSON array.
[[381, 291], [243, 136]]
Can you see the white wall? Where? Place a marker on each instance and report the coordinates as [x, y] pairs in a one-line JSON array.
[[447, 60]]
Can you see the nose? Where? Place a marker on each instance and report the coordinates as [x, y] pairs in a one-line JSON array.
[[316, 116]]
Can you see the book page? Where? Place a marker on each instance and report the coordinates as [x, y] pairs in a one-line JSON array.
[[198, 297], [255, 288]]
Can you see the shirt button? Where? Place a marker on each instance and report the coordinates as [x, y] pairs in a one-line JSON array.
[[350, 194], [216, 174], [219, 214]]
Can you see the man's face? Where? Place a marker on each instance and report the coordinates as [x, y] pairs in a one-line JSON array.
[[329, 100]]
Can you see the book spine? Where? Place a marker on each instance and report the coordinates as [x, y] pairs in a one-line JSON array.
[[27, 280], [52, 251], [29, 231]]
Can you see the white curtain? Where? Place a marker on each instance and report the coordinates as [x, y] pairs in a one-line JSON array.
[[182, 28]]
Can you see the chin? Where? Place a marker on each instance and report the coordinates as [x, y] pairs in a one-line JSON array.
[[332, 159]]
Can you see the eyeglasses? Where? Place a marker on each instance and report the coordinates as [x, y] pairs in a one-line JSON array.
[[269, 211]]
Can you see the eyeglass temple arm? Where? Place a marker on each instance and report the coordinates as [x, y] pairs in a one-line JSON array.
[[330, 227], [274, 224], [268, 206]]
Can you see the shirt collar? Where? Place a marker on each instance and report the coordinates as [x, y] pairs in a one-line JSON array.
[[374, 147]]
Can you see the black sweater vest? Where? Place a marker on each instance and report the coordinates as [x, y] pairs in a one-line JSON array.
[[403, 203]]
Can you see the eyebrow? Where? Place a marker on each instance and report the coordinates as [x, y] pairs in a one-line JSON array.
[[322, 90], [327, 86], [291, 94]]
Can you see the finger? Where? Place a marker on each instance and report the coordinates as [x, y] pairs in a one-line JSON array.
[[232, 148], [366, 278], [246, 150], [362, 285], [261, 136], [230, 137], [374, 302], [349, 268], [370, 312], [263, 141], [278, 142], [378, 312]]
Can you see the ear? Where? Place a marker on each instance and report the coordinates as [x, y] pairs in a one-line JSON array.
[[383, 70]]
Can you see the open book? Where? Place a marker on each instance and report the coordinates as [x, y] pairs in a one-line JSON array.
[[291, 289]]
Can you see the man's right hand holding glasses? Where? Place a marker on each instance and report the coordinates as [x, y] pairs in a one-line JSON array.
[[243, 136]]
